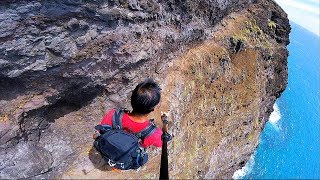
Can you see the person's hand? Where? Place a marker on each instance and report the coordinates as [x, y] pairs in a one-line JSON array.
[[164, 118], [165, 136], [94, 136]]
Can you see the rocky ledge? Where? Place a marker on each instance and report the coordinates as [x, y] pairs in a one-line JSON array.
[[221, 65]]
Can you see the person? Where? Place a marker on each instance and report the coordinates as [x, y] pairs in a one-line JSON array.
[[145, 97]]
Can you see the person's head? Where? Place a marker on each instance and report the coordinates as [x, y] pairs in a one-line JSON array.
[[145, 97]]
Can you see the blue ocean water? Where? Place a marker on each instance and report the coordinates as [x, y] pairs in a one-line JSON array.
[[290, 142]]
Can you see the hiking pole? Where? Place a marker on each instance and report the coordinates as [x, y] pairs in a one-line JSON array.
[[164, 173]]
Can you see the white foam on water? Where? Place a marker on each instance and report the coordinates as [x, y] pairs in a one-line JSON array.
[[240, 173], [275, 116]]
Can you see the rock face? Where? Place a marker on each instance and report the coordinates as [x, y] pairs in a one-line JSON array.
[[221, 65]]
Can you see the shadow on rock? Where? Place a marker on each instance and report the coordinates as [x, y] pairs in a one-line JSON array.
[[98, 161]]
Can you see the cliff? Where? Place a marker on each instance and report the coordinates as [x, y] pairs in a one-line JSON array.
[[221, 65]]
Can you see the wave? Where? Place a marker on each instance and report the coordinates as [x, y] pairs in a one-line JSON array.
[[275, 116], [247, 169]]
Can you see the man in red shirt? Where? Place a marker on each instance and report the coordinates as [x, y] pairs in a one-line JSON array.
[[145, 97]]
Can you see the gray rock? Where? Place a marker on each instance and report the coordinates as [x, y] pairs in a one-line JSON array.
[[8, 22], [36, 160]]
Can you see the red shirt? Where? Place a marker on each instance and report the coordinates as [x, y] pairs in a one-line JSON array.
[[127, 123]]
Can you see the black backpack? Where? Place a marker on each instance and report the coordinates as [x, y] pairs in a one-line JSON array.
[[119, 148]]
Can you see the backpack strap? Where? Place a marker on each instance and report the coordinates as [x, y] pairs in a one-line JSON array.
[[147, 131], [102, 127], [117, 119]]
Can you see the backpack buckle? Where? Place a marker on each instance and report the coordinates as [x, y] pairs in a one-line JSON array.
[[138, 135], [111, 163], [152, 122], [122, 165], [142, 150]]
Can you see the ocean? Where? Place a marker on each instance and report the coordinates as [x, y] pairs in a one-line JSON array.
[[290, 142]]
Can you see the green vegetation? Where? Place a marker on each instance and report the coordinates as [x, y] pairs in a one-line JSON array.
[[239, 37], [256, 123], [251, 33], [253, 27], [272, 24], [249, 29]]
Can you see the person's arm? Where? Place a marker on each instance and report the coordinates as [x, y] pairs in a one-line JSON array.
[[154, 139], [107, 119]]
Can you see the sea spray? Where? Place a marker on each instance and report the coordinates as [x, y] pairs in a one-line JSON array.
[[240, 173], [293, 152], [275, 116]]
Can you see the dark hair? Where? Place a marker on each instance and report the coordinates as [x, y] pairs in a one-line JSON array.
[[145, 97]]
